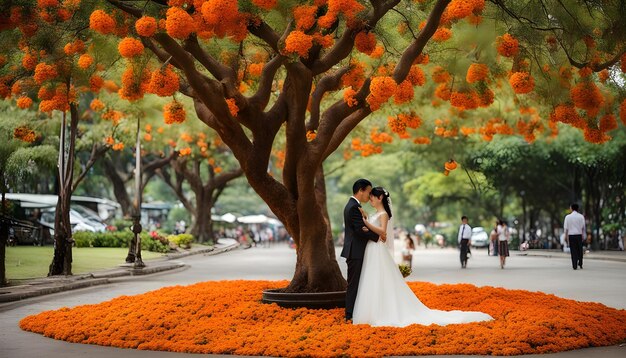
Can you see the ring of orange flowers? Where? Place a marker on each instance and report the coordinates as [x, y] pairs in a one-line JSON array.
[[227, 317]]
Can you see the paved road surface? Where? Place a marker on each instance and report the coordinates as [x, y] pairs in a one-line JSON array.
[[600, 281]]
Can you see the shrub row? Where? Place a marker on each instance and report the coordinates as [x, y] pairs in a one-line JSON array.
[[118, 239]]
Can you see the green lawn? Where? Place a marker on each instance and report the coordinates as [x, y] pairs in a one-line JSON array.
[[23, 262]]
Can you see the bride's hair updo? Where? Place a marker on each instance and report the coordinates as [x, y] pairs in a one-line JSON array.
[[380, 191]]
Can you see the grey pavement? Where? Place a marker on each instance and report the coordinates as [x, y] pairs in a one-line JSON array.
[[601, 281]]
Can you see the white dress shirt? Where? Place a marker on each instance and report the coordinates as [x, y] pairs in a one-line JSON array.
[[465, 232], [574, 224]]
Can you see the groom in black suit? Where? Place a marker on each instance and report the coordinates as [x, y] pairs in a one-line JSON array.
[[356, 235]]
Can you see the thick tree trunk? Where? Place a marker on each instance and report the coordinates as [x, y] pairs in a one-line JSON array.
[[119, 187], [62, 260], [317, 269], [4, 236], [202, 225]]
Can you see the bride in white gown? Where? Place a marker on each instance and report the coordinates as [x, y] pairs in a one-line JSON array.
[[384, 298]]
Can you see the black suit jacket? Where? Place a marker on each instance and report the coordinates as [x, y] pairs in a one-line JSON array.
[[355, 239]]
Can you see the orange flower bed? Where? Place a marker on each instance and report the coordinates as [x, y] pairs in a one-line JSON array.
[[227, 317]]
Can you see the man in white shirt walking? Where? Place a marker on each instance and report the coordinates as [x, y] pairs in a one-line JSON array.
[[575, 234], [465, 234]]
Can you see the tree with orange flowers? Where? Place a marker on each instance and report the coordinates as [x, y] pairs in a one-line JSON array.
[[256, 71], [328, 45], [54, 71], [205, 165]]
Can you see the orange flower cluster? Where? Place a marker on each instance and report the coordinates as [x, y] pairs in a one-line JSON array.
[[349, 97], [466, 131], [255, 69], [130, 47], [84, 61], [603, 75], [75, 47], [118, 146], [380, 137], [298, 42], [184, 151], [608, 122], [164, 82], [95, 83], [265, 4], [404, 92], [522, 82], [304, 16], [29, 61], [365, 42], [586, 95], [507, 45], [567, 114], [443, 91], [109, 140], [465, 100], [449, 166], [596, 136], [178, 23], [24, 102], [440, 75], [113, 116], [102, 22], [366, 149], [24, 134], [232, 106], [223, 18], [174, 112], [477, 72], [349, 8], [460, 9], [445, 128], [59, 100], [44, 72], [527, 129], [494, 126], [416, 76], [96, 105], [381, 88], [133, 84], [311, 135], [442, 34], [146, 26], [422, 140], [397, 125], [206, 318], [355, 76]]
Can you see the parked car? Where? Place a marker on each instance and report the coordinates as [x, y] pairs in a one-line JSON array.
[[77, 221], [480, 238]]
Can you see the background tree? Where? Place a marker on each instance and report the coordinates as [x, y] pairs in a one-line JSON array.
[[201, 165]]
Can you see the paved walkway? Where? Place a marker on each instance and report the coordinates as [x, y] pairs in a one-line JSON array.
[[600, 281]]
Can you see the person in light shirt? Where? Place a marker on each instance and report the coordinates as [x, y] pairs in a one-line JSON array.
[[575, 234], [465, 234]]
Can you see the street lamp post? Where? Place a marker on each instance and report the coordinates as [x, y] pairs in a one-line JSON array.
[[137, 216]]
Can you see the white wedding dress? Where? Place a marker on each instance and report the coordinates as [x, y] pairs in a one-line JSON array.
[[384, 298]]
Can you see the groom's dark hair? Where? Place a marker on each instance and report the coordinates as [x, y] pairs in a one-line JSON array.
[[360, 185]]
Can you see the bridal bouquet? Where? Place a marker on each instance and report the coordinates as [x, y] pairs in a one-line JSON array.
[[405, 270]]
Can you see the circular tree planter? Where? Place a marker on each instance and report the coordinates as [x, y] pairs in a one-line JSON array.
[[308, 300]]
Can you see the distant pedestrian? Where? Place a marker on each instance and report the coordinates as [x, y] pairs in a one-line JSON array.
[[465, 234], [493, 240], [407, 251], [503, 242], [575, 234]]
